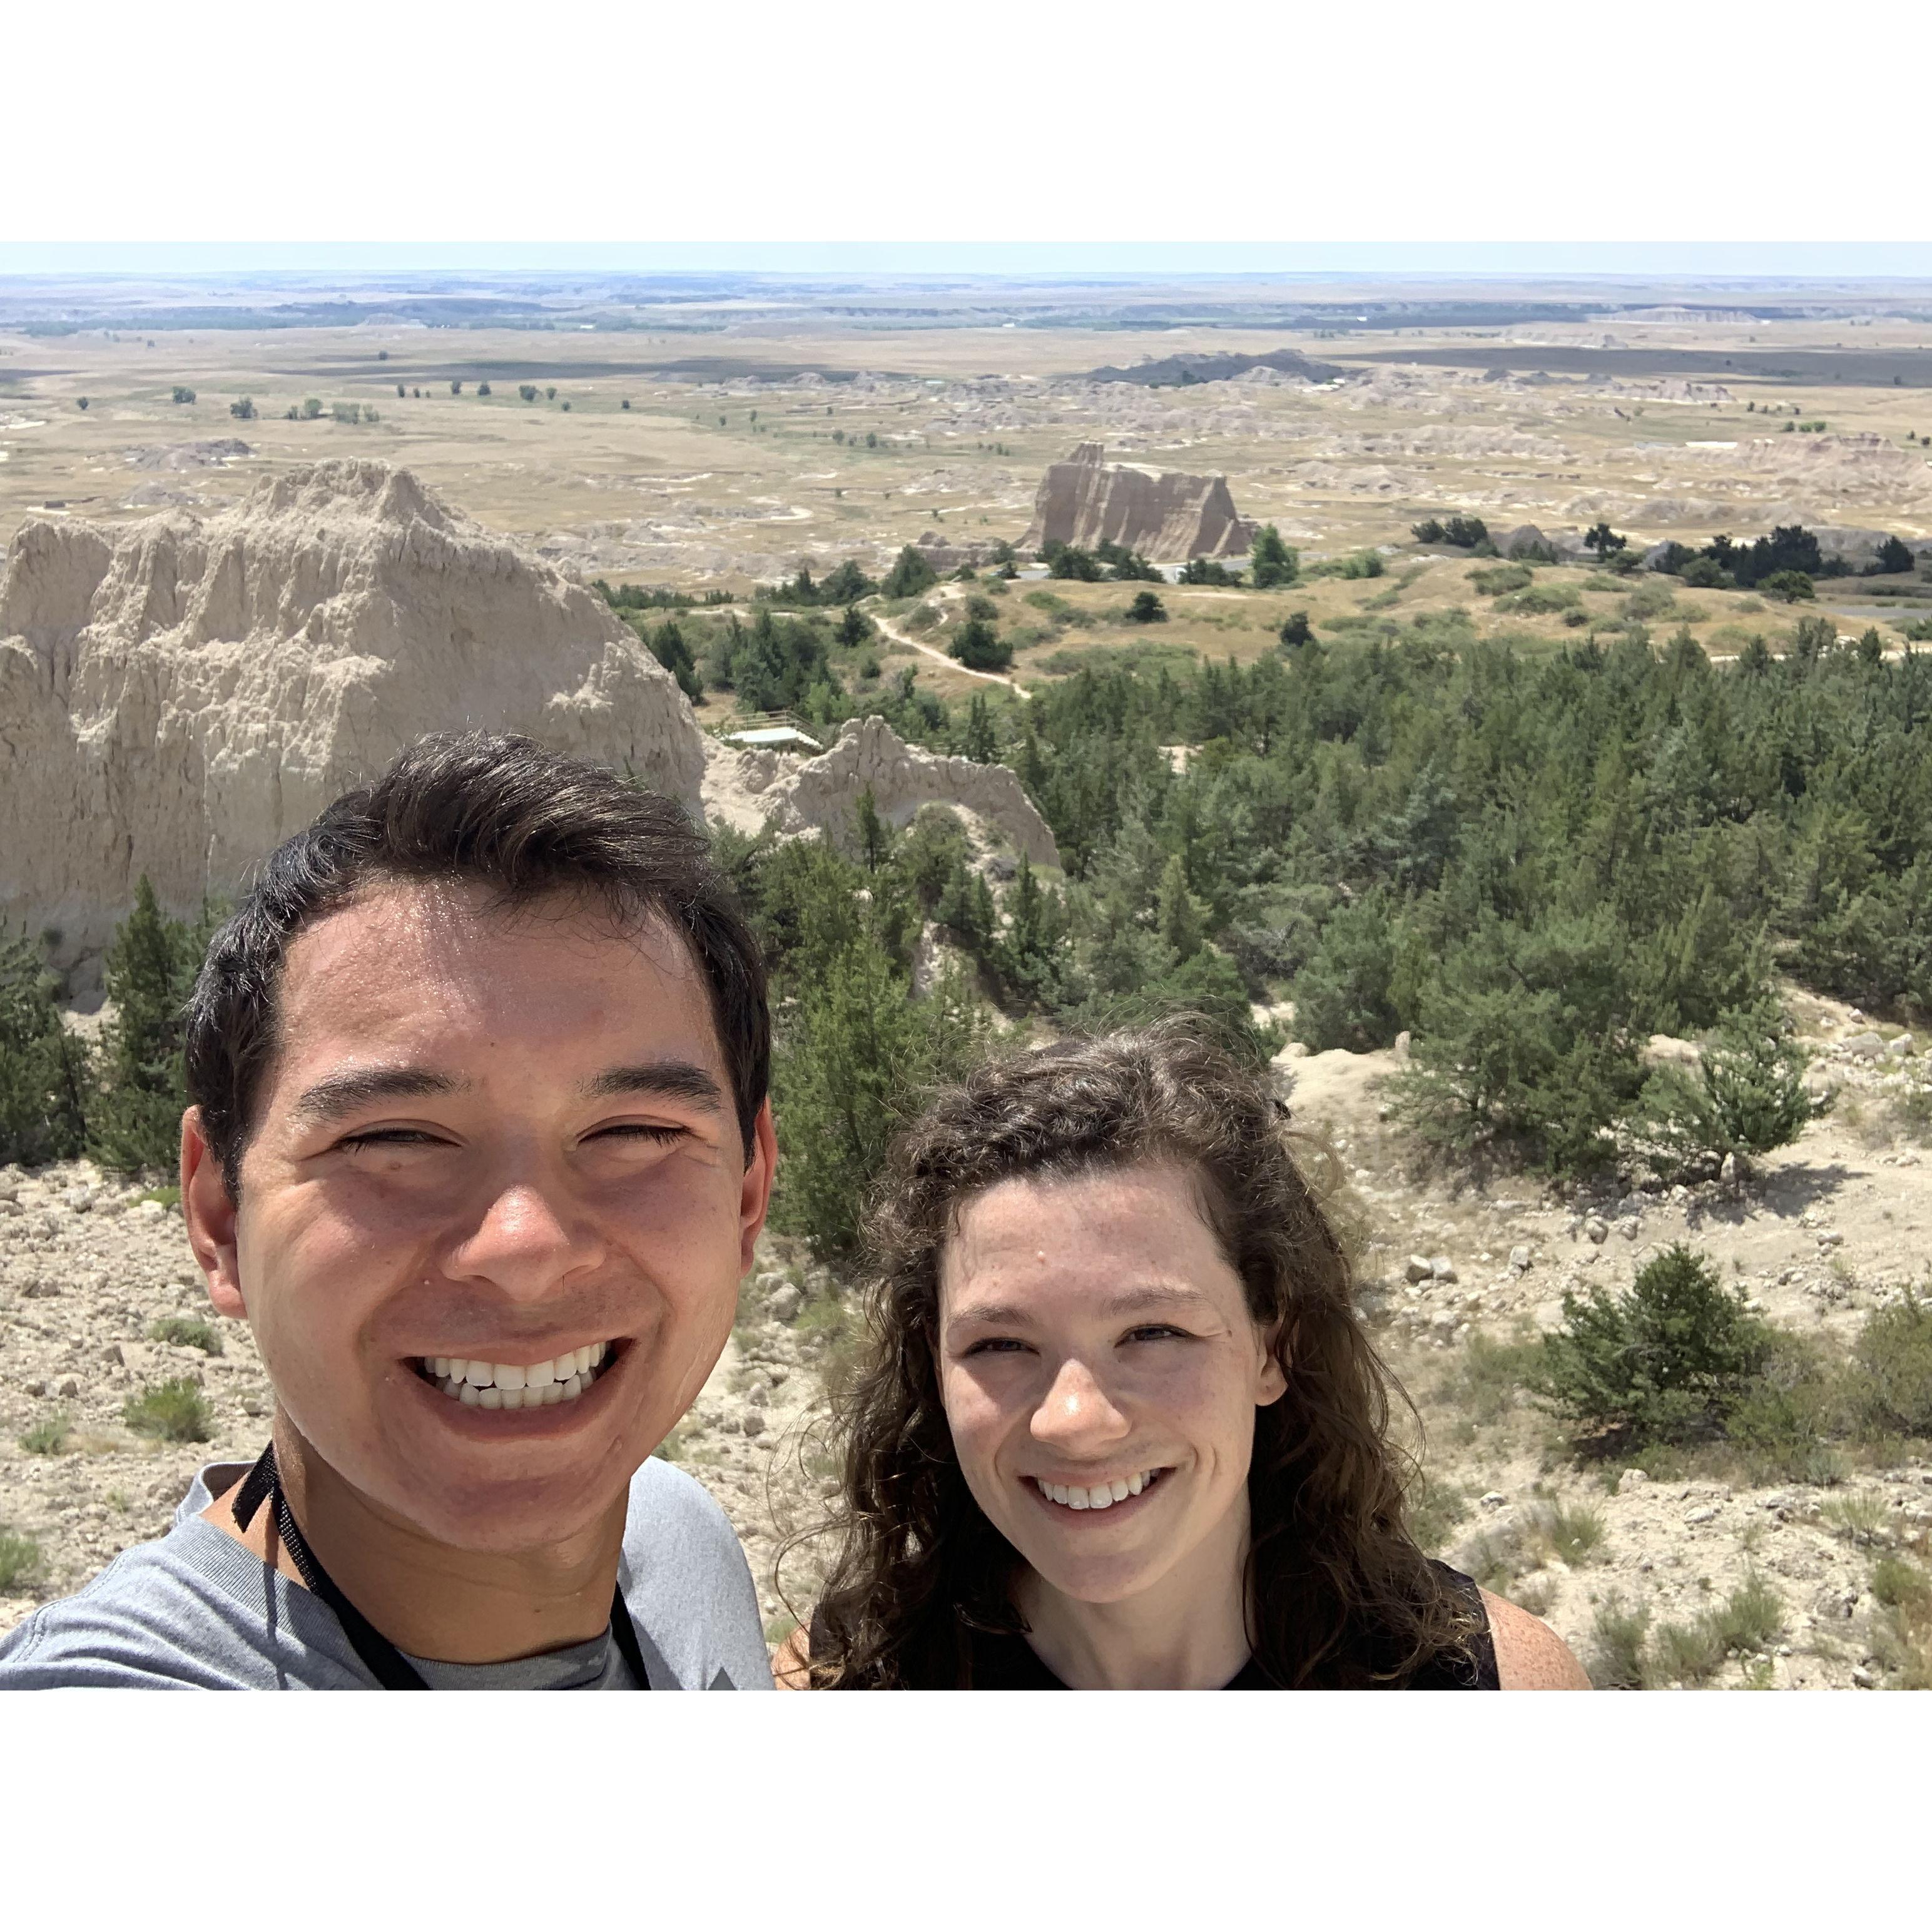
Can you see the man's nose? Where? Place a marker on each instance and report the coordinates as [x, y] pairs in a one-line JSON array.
[[1078, 1415], [527, 1240]]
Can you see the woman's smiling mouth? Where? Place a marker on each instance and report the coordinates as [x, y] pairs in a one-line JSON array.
[[1071, 1496]]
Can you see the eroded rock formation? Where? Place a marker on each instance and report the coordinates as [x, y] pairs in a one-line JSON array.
[[1179, 372], [176, 696], [1164, 515], [746, 787]]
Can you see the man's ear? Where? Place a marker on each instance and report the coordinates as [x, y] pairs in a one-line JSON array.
[[210, 1212], [755, 1198]]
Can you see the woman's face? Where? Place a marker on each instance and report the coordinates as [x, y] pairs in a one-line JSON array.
[[1095, 1343]]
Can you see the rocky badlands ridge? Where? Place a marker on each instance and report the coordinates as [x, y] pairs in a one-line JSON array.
[[1165, 515], [745, 786], [176, 696], [1179, 371]]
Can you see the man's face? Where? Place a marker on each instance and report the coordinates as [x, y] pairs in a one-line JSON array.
[[488, 1143]]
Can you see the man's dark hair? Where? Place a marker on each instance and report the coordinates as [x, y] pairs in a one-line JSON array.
[[495, 811]]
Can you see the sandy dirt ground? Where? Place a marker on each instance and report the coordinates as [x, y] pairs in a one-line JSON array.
[[1822, 1232]]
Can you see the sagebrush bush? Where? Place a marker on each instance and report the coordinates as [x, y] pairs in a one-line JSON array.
[[1902, 1633], [182, 1331], [1785, 1421], [171, 1412], [1892, 1359], [20, 1560], [1668, 1361], [1433, 1510], [1618, 1636], [1487, 1378], [1629, 1657], [1861, 1517], [1570, 1533], [46, 1436]]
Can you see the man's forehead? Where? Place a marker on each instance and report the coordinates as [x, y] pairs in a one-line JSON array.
[[460, 928], [410, 962]]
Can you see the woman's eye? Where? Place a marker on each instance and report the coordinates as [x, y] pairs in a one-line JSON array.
[[997, 1344], [1156, 1331]]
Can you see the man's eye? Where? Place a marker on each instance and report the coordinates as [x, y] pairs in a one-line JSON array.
[[640, 1130], [391, 1137]]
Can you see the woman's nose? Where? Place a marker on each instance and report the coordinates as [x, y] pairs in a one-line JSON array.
[[1078, 1412]]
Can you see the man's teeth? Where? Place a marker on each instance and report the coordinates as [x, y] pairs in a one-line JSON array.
[[506, 1385], [1102, 1495]]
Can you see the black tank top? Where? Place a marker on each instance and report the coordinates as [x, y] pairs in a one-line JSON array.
[[1002, 1662]]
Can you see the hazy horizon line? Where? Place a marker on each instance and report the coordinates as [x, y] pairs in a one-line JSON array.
[[1475, 261]]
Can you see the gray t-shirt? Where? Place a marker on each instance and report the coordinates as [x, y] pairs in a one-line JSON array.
[[197, 1611]]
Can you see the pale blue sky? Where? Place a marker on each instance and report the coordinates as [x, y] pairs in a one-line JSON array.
[[1671, 259]]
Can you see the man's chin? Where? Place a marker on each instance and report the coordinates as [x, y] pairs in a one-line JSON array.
[[507, 1483]]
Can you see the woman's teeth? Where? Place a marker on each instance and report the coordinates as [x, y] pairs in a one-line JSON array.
[[505, 1385], [1102, 1495]]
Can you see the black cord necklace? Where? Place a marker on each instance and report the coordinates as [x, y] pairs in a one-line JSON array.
[[383, 1661]]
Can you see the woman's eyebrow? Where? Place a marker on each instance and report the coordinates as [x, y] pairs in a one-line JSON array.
[[1130, 1301], [1004, 1314]]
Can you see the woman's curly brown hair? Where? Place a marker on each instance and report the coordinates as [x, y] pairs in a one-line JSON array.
[[1340, 1595]]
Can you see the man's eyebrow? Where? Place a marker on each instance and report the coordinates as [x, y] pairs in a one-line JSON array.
[[659, 1079], [342, 1094]]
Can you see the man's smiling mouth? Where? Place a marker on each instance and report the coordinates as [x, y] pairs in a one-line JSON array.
[[479, 1385]]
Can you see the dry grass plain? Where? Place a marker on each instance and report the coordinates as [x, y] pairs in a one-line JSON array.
[[778, 438]]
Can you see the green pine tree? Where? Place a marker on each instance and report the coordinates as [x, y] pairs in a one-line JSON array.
[[910, 576], [981, 743], [135, 1121], [44, 1071], [1271, 562], [857, 1053], [1177, 914], [872, 836]]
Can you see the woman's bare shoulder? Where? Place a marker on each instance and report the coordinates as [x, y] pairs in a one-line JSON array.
[[1530, 1656]]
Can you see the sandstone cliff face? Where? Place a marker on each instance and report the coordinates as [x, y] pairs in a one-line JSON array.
[[176, 696], [746, 787], [1168, 517]]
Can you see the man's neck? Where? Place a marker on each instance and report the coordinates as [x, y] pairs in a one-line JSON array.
[[1187, 1632], [456, 1606]]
